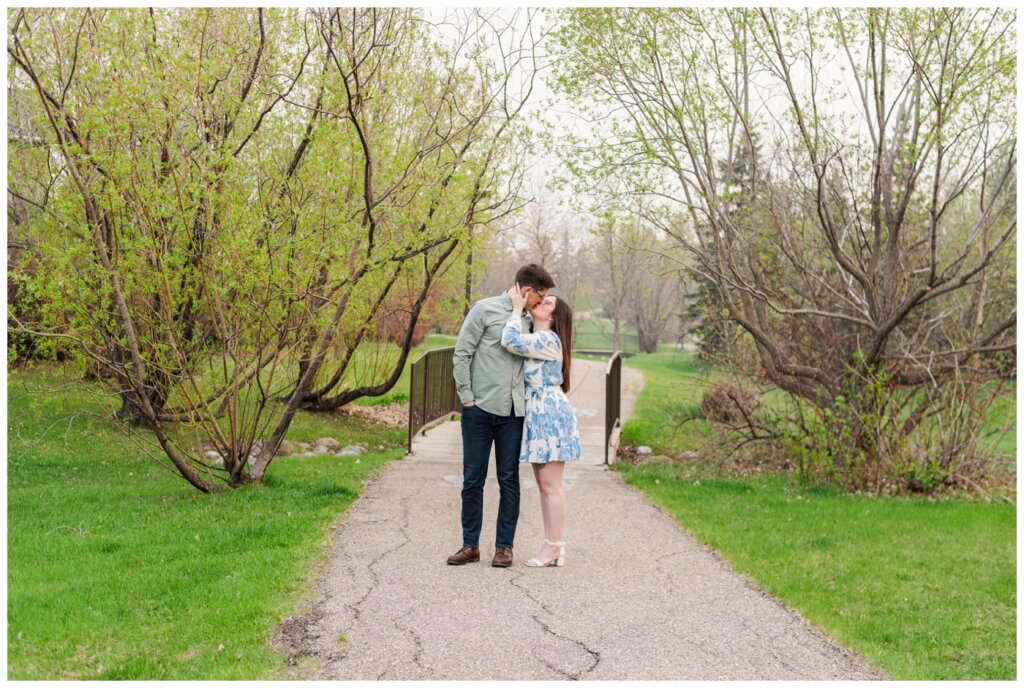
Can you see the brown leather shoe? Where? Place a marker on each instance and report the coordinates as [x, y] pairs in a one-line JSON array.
[[464, 556], [502, 557]]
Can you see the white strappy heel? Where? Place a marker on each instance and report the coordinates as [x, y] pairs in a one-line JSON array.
[[559, 560]]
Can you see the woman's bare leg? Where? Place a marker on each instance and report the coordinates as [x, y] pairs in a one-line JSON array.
[[553, 505], [543, 500]]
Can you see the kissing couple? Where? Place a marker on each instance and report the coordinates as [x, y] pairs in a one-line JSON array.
[[511, 373]]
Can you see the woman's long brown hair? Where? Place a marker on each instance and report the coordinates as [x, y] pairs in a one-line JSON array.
[[561, 324]]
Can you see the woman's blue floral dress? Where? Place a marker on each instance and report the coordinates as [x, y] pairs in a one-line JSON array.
[[550, 430]]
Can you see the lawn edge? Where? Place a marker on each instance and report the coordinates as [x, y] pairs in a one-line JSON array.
[[748, 581], [280, 638]]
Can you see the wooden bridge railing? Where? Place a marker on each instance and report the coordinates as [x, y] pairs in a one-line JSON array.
[[432, 392], [612, 399]]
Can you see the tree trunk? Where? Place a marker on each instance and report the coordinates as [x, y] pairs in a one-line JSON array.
[[647, 340], [132, 411]]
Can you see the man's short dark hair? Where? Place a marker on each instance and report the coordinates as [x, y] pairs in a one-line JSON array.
[[535, 276]]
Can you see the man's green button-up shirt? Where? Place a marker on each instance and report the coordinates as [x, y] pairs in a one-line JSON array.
[[485, 372]]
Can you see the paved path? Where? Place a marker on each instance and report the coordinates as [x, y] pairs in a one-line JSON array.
[[638, 597]]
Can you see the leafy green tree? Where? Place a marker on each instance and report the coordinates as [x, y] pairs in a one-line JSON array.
[[144, 248], [431, 123], [238, 190]]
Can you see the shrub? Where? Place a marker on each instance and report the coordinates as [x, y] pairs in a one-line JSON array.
[[728, 402]]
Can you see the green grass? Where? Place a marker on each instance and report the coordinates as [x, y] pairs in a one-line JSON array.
[[673, 387], [922, 589], [400, 392], [372, 364], [596, 333], [674, 383], [1003, 414], [117, 569]]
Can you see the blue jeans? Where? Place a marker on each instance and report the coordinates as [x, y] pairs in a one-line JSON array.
[[479, 430]]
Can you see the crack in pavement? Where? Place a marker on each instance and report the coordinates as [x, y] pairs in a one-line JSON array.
[[773, 649], [664, 571], [595, 656], [553, 668], [328, 595], [700, 646], [375, 580], [514, 583], [417, 641], [303, 635], [370, 523], [355, 607]]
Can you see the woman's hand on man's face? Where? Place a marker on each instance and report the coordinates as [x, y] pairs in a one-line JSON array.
[[518, 297]]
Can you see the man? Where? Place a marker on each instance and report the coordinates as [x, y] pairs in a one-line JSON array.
[[489, 381]]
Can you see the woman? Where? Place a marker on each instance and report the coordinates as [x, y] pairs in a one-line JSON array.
[[551, 435]]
